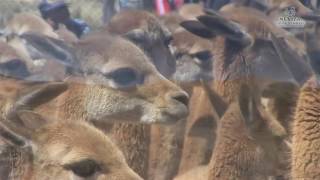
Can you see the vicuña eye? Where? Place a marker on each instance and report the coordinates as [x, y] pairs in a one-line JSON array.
[[14, 64], [203, 56], [124, 77], [84, 168]]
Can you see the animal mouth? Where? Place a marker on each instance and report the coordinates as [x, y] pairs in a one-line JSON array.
[[173, 115]]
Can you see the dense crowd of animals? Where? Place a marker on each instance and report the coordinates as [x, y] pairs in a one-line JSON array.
[[195, 94]]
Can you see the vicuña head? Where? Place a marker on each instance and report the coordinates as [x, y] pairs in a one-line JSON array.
[[63, 150]]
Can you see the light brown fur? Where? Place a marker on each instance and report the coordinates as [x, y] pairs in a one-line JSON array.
[[53, 150], [305, 141], [200, 132], [165, 161], [234, 66], [191, 11], [244, 152], [305, 154], [144, 29], [26, 22], [97, 99]]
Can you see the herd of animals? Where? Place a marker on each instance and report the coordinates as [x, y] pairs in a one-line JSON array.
[[192, 95]]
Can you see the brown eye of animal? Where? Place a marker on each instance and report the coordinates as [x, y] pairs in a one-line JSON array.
[[84, 168], [203, 56], [124, 77]]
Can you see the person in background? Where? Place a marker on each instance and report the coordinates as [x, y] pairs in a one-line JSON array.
[[165, 6], [58, 13]]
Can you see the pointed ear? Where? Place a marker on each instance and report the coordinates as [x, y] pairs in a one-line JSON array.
[[31, 120], [197, 28], [293, 61], [224, 27], [15, 68], [14, 132], [274, 126], [43, 47], [20, 133], [35, 96], [136, 36], [256, 117]]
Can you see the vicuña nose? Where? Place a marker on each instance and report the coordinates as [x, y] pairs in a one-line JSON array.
[[181, 97]]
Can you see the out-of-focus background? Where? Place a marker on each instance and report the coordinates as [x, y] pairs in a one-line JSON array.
[[88, 10]]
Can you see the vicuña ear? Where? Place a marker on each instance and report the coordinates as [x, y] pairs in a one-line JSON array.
[[39, 94], [44, 47], [15, 68], [255, 116], [197, 28], [293, 61], [135, 35], [20, 133], [34, 96], [31, 120], [224, 27]]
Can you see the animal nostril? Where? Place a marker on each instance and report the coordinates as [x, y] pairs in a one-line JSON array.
[[181, 97]]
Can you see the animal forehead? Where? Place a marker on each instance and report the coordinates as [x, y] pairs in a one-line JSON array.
[[191, 11], [185, 41], [128, 20], [112, 49], [73, 141], [240, 12]]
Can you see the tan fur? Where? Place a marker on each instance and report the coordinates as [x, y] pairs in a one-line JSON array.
[[165, 150], [199, 173], [190, 70], [305, 144], [66, 35], [96, 99], [305, 154], [186, 42], [148, 102], [233, 67], [62, 143], [171, 21], [26, 22], [154, 45], [260, 27], [200, 132], [191, 11], [154, 36], [238, 155]]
